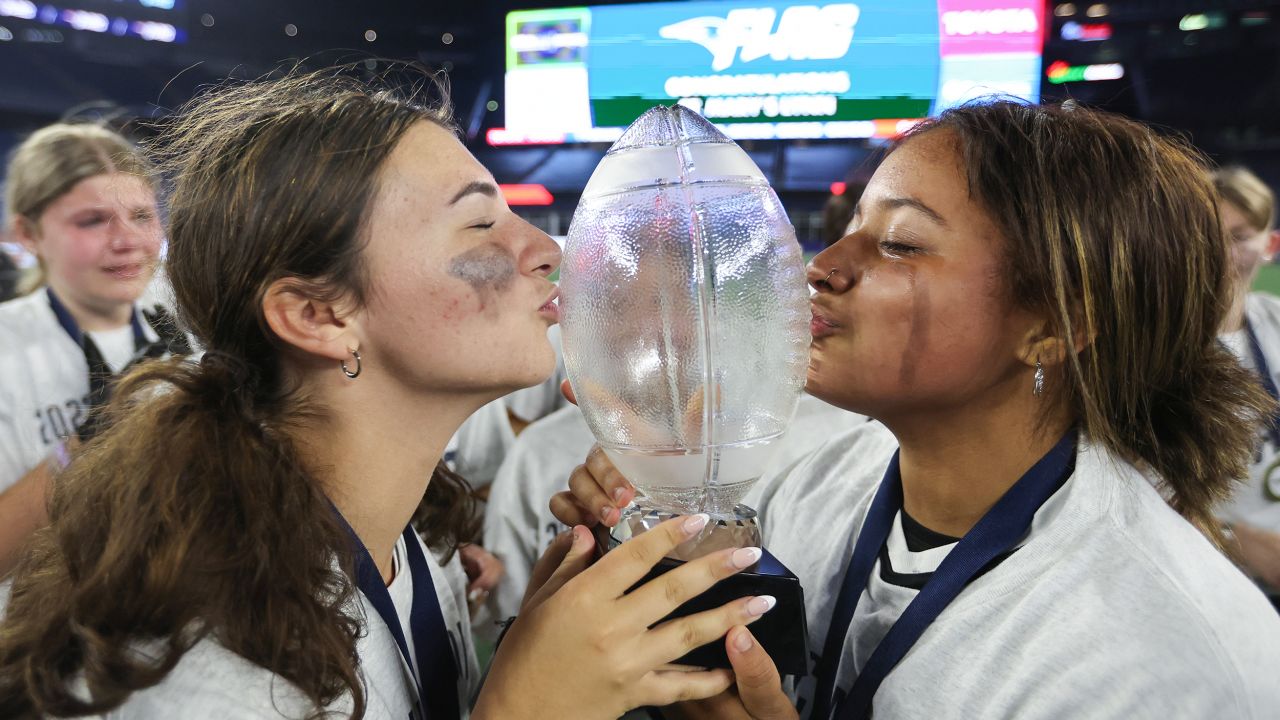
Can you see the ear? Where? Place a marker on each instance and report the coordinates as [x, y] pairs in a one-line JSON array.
[[301, 316], [1044, 345], [27, 233], [1273, 244]]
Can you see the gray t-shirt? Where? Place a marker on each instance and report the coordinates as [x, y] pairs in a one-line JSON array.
[[1113, 606]]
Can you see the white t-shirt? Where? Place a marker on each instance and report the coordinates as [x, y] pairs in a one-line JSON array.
[[519, 524], [116, 346], [1113, 607], [44, 385], [1258, 502], [213, 683]]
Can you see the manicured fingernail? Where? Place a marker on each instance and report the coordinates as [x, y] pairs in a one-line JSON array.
[[761, 604], [742, 642], [744, 557], [695, 523], [605, 512], [618, 493]]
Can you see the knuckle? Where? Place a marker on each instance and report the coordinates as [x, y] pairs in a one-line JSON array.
[[716, 566], [686, 692], [672, 590], [691, 635], [635, 552]]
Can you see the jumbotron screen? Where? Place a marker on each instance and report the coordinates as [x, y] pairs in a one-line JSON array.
[[763, 70]]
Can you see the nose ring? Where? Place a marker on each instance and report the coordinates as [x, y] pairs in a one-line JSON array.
[[828, 277]]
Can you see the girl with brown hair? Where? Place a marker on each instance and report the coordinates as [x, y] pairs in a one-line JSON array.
[[82, 199], [269, 532], [1028, 299]]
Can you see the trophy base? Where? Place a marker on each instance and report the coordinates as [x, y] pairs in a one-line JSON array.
[[738, 528], [782, 632]]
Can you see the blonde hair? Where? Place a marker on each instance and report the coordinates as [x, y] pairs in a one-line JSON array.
[[52, 160], [1240, 187]]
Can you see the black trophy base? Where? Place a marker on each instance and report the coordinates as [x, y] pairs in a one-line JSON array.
[[782, 632]]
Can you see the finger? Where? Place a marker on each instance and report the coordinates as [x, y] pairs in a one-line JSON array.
[[566, 508], [486, 580], [675, 638], [492, 573], [487, 568], [575, 561], [617, 488], [547, 564], [476, 597], [759, 684], [626, 564], [664, 687], [566, 389], [665, 593], [589, 494]]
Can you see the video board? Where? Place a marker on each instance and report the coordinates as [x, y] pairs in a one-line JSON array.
[[766, 70]]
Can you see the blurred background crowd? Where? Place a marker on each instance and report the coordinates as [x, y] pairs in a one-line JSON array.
[[1204, 67]]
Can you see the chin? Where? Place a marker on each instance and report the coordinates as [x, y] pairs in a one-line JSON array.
[[837, 394]]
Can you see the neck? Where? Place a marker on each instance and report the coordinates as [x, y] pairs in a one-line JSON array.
[[956, 466], [91, 318], [376, 450]]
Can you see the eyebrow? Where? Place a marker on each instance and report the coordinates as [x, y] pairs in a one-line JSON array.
[[475, 186], [898, 202]]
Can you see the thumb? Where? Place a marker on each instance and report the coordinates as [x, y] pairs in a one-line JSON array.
[[566, 389], [575, 560], [759, 685]]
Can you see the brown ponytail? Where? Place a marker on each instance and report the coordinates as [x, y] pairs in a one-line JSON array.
[[1114, 231], [194, 515]]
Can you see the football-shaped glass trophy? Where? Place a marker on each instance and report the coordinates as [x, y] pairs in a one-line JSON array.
[[685, 321]]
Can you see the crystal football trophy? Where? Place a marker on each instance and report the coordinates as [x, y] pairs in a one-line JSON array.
[[685, 321]]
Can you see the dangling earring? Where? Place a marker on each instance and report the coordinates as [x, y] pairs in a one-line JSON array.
[[1039, 388], [353, 374]]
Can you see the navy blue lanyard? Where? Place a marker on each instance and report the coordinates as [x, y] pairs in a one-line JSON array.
[[1268, 383], [995, 534], [436, 672], [69, 324]]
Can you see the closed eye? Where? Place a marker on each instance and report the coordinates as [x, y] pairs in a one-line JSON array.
[[897, 248]]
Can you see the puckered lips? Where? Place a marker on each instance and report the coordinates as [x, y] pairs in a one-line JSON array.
[[822, 323]]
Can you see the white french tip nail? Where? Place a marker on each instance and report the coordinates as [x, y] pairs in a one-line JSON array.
[[761, 604], [695, 523], [745, 557]]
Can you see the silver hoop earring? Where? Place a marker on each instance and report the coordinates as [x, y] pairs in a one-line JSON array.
[[1039, 388], [349, 373]]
